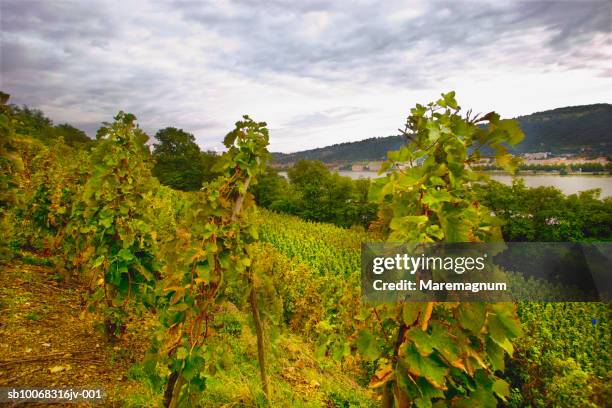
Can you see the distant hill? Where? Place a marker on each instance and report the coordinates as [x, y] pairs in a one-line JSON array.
[[571, 129], [574, 129], [375, 148]]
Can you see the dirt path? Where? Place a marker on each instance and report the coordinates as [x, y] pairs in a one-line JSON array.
[[47, 341]]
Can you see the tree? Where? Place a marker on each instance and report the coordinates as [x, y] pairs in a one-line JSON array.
[[366, 209], [544, 214], [322, 195], [32, 122], [315, 193], [271, 188], [179, 163], [72, 136]]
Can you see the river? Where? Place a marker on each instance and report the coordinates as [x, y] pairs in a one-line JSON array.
[[568, 184]]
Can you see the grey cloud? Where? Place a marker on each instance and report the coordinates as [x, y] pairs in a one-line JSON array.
[[57, 20], [573, 21], [364, 42], [19, 55], [63, 54], [325, 118]]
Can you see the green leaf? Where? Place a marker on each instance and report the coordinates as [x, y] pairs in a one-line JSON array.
[[224, 259], [440, 340], [425, 367], [401, 155], [367, 345], [125, 254], [99, 260], [410, 177], [340, 350], [498, 334], [146, 274], [512, 128], [408, 221], [471, 316], [181, 353], [435, 231], [423, 402], [433, 197], [449, 100], [376, 188], [211, 247], [106, 222], [496, 355], [427, 392], [501, 388], [421, 340], [455, 227], [436, 181], [410, 312], [505, 313], [480, 398], [203, 271]]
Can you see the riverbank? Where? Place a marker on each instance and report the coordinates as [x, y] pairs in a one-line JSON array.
[[571, 183], [550, 173]]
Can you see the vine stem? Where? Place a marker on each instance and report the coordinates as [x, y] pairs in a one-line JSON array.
[[240, 200], [381, 325], [174, 402], [260, 341], [170, 388]]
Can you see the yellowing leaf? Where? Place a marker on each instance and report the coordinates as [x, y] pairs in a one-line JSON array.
[[382, 375], [59, 369]]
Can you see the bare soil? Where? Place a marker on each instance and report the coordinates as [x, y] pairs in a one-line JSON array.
[[48, 340]]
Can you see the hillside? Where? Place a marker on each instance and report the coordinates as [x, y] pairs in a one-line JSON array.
[[569, 129], [564, 130], [375, 148]]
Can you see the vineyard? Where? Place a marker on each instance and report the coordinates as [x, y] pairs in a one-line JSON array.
[[559, 349], [176, 299]]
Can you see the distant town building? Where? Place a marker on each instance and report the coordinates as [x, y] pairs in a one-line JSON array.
[[567, 161], [374, 165], [357, 167], [536, 156], [484, 161]]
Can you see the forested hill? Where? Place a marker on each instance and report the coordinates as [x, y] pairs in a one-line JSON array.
[[375, 148], [568, 129], [562, 130]]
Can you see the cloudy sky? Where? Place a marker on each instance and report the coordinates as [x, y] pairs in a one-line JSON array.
[[318, 72]]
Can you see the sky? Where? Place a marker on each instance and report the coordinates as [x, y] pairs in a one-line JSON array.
[[318, 72]]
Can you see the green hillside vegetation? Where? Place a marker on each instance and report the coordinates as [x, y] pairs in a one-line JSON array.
[[574, 129], [374, 148], [34, 123]]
